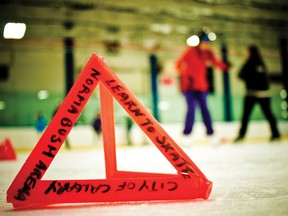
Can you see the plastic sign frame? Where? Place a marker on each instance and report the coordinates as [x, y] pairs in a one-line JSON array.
[[28, 189]]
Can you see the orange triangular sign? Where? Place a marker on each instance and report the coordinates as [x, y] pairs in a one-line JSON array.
[[29, 189], [7, 151]]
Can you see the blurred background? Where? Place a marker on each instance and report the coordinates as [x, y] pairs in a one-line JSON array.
[[37, 70]]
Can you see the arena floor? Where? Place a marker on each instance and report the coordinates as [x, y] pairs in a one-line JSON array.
[[249, 178]]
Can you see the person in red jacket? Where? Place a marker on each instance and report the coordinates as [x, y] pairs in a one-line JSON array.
[[192, 66]]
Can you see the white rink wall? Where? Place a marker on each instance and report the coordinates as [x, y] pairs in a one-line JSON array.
[[84, 136]]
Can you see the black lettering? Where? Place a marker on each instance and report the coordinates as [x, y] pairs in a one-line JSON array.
[[37, 173], [52, 187], [176, 156], [31, 181], [85, 89], [144, 185], [124, 96], [137, 112], [174, 186], [69, 189], [105, 188], [186, 176], [131, 185], [188, 169], [161, 141], [154, 186], [20, 195], [121, 187], [86, 186], [89, 81], [183, 163], [22, 192], [151, 129], [77, 187], [95, 74], [73, 109], [55, 139], [146, 123], [63, 188], [110, 81], [94, 189], [167, 147], [81, 98], [116, 88], [49, 152], [66, 122], [41, 165], [130, 104], [62, 132]]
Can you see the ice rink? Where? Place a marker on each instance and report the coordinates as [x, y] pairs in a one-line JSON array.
[[143, 69], [249, 178]]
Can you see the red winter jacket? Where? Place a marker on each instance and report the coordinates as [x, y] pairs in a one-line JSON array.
[[192, 66]]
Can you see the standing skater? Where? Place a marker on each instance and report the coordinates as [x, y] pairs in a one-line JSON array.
[[192, 67], [97, 124], [40, 123], [155, 69], [254, 74]]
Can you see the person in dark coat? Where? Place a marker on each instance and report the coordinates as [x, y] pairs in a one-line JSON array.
[[254, 74], [97, 124]]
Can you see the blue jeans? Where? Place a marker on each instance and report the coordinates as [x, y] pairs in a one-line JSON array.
[[194, 99]]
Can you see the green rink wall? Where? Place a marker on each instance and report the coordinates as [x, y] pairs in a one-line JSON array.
[[20, 109]]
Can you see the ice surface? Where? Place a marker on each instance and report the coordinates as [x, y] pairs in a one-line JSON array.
[[248, 179]]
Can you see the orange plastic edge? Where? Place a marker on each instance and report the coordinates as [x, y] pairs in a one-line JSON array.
[[28, 188]]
